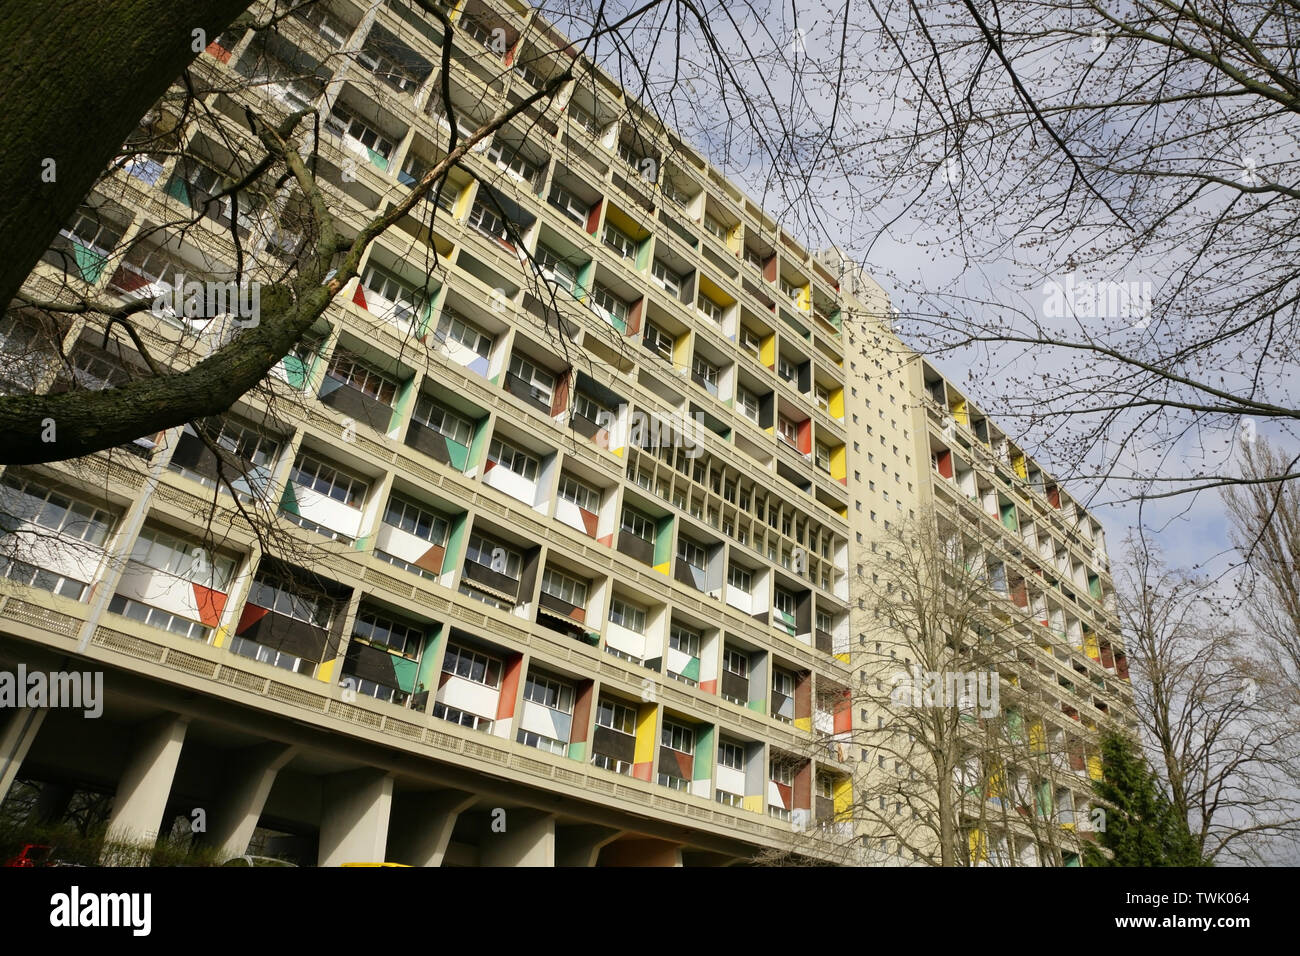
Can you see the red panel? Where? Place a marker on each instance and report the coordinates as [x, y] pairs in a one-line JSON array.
[[769, 269], [805, 437], [220, 52], [509, 687], [593, 217], [250, 616], [211, 603], [560, 400], [642, 771], [1121, 666], [1054, 496], [1019, 595], [634, 317], [709, 686], [787, 793], [359, 297], [1107, 656], [582, 711], [944, 461], [803, 695], [803, 787], [843, 714], [588, 521], [685, 763]]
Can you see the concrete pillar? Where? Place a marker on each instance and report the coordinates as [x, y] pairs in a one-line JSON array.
[[146, 783], [355, 807], [580, 845], [15, 740], [528, 839], [422, 825], [52, 803], [249, 774]]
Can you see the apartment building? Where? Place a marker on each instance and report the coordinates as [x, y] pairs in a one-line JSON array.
[[553, 563]]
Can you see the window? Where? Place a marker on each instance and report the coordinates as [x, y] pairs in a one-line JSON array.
[[619, 241], [389, 288], [286, 598], [433, 414], [823, 458], [413, 519], [823, 397], [452, 327], [549, 693], [676, 193], [509, 159], [731, 755], [823, 621], [658, 341], [684, 640], [592, 410], [676, 737], [472, 666], [711, 309], [786, 369], [488, 221], [692, 554], [584, 118], [530, 739], [556, 269], [783, 601], [29, 502], [754, 258], [729, 799], [583, 495], [638, 524], [616, 717], [182, 558], [747, 403], [381, 631], [740, 579], [310, 472], [31, 576], [627, 615], [825, 786], [493, 556], [568, 203], [782, 772], [511, 458], [668, 280], [541, 383], [783, 683], [365, 378], [630, 155], [750, 341], [341, 122], [715, 228], [614, 307], [706, 373], [462, 717], [788, 429], [156, 617], [735, 662], [565, 588]]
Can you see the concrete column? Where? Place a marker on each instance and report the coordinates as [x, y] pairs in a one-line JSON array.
[[355, 807], [15, 740], [52, 803], [580, 845], [146, 783], [527, 840], [250, 775], [422, 825]]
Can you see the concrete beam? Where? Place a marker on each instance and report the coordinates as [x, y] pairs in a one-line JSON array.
[[518, 838], [422, 824], [355, 808], [15, 740], [250, 774], [580, 845], [145, 785]]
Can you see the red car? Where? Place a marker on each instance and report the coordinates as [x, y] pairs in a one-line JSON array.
[[32, 854]]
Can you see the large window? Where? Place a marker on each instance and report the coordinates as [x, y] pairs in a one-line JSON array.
[[472, 666], [676, 737], [788, 429], [283, 597], [452, 327], [488, 221], [549, 693], [619, 241], [311, 472], [381, 631], [540, 381], [389, 287], [26, 501], [670, 281], [685, 640], [579, 493], [638, 524], [740, 579], [493, 556], [365, 378], [511, 458], [433, 414], [568, 203], [410, 517], [556, 268], [783, 601], [182, 558], [692, 553], [615, 307], [342, 122], [750, 341], [782, 772], [616, 717], [627, 615], [565, 588], [735, 662], [786, 369], [512, 161], [711, 309], [707, 373], [731, 755], [658, 341], [783, 683], [747, 403], [823, 456]]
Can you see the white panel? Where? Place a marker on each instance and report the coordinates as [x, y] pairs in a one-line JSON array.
[[467, 695], [621, 639], [566, 512], [516, 486], [162, 591], [774, 796], [739, 599], [678, 661], [334, 515], [733, 781], [543, 720], [401, 544]]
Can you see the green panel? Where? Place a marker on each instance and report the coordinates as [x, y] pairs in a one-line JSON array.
[[704, 753], [406, 671], [176, 189], [1094, 586], [377, 160], [643, 253], [578, 750], [477, 445], [1009, 517], [1072, 859], [692, 670], [455, 541], [582, 288], [756, 705], [1044, 799], [89, 262], [663, 540], [1015, 725], [427, 657], [431, 305], [405, 395], [287, 500], [457, 453]]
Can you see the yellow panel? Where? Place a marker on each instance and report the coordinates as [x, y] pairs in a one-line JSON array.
[[644, 751], [1037, 738], [219, 637], [1018, 464], [682, 350], [843, 797], [803, 723], [978, 852], [805, 299], [621, 220], [754, 804], [662, 568], [837, 404], [1090, 645], [959, 412], [767, 353], [838, 466], [326, 670], [1094, 766]]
